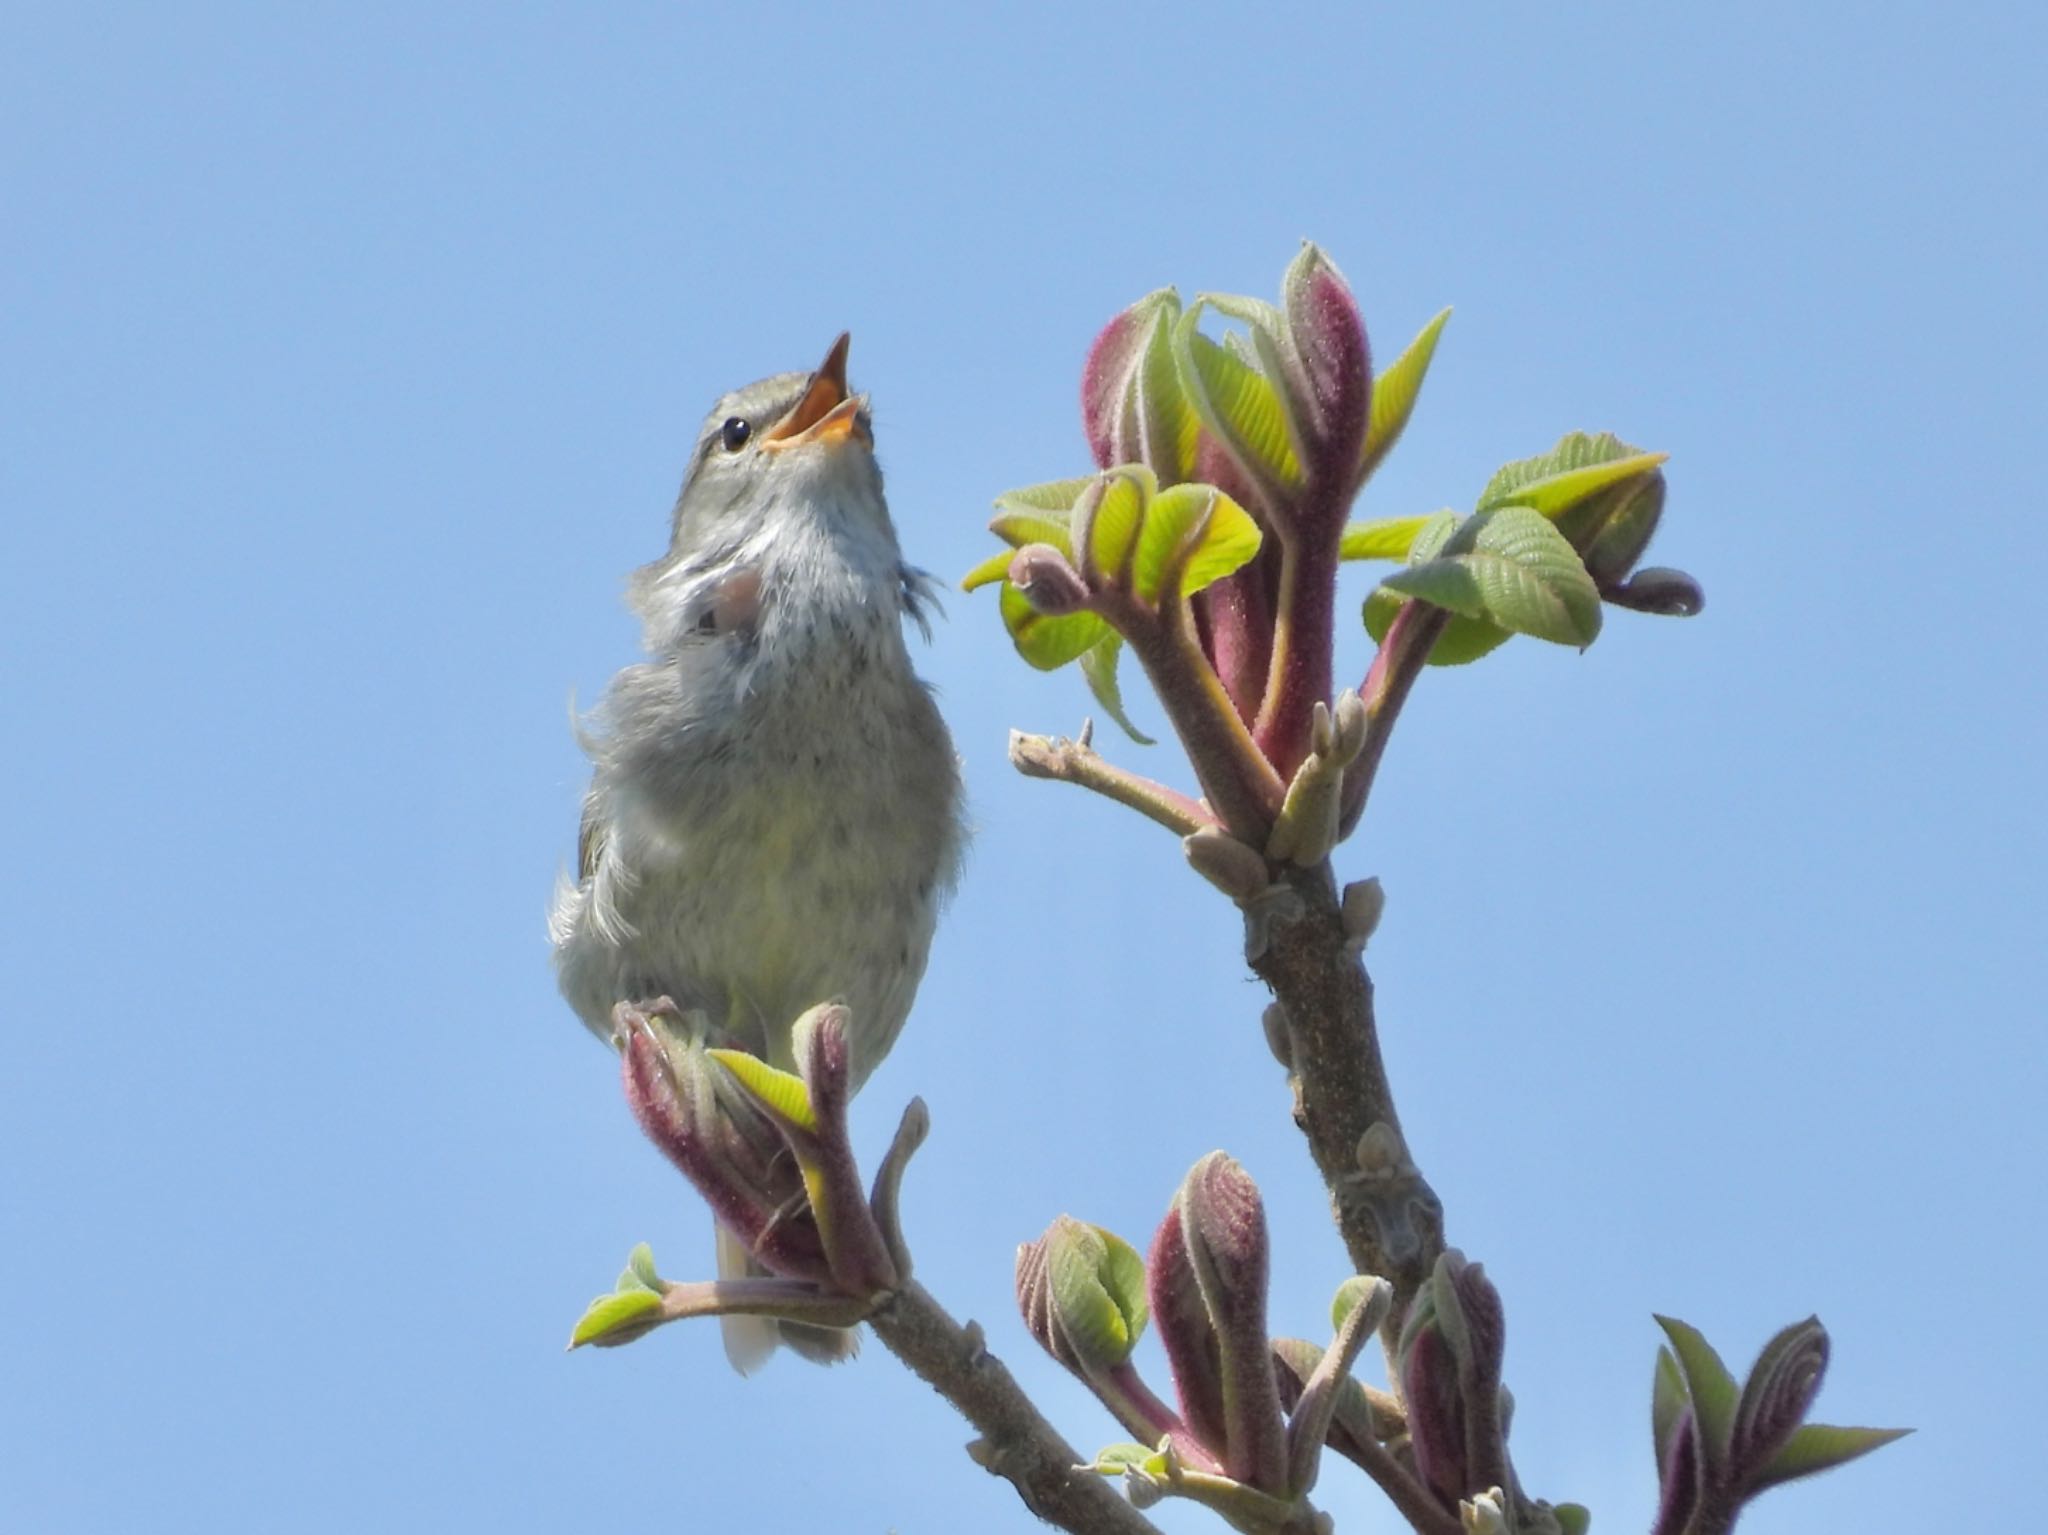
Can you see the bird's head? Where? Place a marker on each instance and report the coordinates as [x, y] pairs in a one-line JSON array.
[[791, 445]]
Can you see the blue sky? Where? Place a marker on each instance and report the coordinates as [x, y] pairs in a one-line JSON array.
[[351, 357]]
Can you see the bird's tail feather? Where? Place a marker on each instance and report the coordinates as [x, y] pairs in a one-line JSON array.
[[749, 1340]]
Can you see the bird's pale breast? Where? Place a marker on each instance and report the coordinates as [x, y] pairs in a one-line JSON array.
[[791, 845]]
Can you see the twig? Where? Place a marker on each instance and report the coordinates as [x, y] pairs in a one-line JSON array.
[[1399, 661], [1238, 781], [1299, 675], [1414, 1501], [1077, 762], [1016, 1442]]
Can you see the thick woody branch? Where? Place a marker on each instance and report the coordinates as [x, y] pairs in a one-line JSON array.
[[1016, 1442], [1340, 1086]]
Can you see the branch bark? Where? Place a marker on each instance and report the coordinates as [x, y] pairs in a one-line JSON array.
[[1016, 1442], [1077, 762], [1340, 1084]]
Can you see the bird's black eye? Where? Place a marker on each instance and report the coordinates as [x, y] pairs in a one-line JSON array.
[[735, 432]]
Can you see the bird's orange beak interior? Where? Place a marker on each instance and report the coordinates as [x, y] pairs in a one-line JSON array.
[[826, 412]]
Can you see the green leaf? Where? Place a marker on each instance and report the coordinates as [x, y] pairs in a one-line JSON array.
[[1572, 1518], [1463, 641], [1098, 1291], [1111, 526], [1020, 528], [1270, 350], [1114, 1459], [1168, 426], [617, 1318], [1667, 1402], [1255, 314], [1123, 1276], [1561, 492], [1779, 1391], [1022, 524], [1098, 666], [1390, 538], [989, 571], [1239, 345], [640, 1271], [1394, 392], [782, 1093], [1548, 481], [1199, 527], [1437, 529], [1708, 1385], [1821, 1447], [1236, 403], [1519, 573], [1052, 496], [1048, 643]]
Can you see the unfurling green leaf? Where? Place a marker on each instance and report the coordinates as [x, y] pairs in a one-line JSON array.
[[1096, 1287], [988, 572], [1105, 527], [1238, 405], [1394, 392], [781, 1093], [1122, 532], [1037, 514], [1390, 538], [640, 1269], [1132, 406], [1555, 494], [1463, 641], [1052, 496], [1098, 667], [1047, 643], [1116, 1459], [1709, 1387], [1167, 426], [1436, 531], [1781, 1387], [1581, 463], [1821, 1447], [1667, 1404], [1605, 496], [1020, 528], [1197, 530], [618, 1318], [1512, 569]]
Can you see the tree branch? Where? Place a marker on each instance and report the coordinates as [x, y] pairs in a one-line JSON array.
[[1077, 762], [1416, 628], [1016, 1442], [1239, 783], [1340, 1086], [1415, 1502], [1300, 668]]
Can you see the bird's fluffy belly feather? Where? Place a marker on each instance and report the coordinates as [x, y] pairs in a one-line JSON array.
[[800, 855]]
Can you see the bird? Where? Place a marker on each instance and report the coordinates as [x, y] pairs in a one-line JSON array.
[[774, 816]]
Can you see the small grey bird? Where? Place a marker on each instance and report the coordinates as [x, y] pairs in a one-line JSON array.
[[775, 815]]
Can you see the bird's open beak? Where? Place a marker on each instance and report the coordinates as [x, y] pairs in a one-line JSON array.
[[826, 413]]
